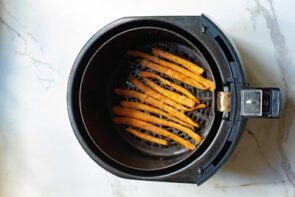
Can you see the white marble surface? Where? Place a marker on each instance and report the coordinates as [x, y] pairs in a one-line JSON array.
[[39, 154]]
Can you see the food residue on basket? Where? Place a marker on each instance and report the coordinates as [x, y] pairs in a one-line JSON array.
[[161, 96]]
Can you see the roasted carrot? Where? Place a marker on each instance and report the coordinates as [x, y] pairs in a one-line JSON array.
[[132, 113], [187, 64], [149, 91], [199, 106], [141, 106], [173, 74], [147, 137], [205, 82], [156, 103], [183, 100], [173, 85], [155, 129], [162, 62]]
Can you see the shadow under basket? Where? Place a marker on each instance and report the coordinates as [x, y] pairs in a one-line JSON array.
[[102, 65]]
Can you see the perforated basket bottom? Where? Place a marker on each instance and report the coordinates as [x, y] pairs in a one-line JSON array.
[[204, 117]]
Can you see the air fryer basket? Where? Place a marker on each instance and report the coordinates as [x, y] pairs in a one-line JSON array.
[[113, 68], [102, 65], [129, 66]]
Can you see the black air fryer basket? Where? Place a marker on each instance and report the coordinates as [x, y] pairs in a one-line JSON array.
[[102, 65]]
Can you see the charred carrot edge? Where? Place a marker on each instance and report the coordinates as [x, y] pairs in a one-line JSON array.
[[132, 113], [173, 74], [147, 137], [147, 126], [141, 106], [185, 63], [147, 99], [173, 85], [183, 100], [149, 91]]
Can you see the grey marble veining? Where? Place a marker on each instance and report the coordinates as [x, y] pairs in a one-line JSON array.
[[286, 67], [27, 46]]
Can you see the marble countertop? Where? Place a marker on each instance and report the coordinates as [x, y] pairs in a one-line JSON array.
[[39, 154]]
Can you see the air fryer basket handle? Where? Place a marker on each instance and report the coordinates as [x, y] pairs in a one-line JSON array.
[[260, 102]]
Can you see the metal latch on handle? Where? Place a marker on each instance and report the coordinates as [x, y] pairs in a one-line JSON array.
[[260, 102], [255, 102]]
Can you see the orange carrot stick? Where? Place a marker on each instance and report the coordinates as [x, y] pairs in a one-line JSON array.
[[162, 62], [200, 106], [147, 90], [147, 137], [156, 103], [173, 85], [173, 74], [183, 100], [187, 64], [141, 106], [155, 129], [132, 113]]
